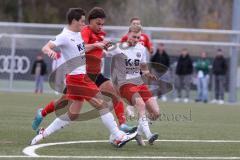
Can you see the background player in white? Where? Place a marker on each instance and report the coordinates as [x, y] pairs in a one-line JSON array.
[[79, 86], [128, 60]]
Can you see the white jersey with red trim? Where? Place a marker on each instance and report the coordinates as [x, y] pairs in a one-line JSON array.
[[72, 47]]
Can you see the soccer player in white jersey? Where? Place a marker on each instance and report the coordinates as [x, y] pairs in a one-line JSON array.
[[129, 59], [79, 86]]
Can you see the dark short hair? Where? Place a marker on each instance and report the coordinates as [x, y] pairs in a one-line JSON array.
[[134, 18], [96, 12], [75, 13]]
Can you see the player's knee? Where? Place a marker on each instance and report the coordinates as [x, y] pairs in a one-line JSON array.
[[154, 115], [73, 117]]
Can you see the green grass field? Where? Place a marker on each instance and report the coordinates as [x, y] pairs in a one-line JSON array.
[[179, 121]]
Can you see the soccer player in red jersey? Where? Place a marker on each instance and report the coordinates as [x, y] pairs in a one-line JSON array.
[[93, 35], [144, 39]]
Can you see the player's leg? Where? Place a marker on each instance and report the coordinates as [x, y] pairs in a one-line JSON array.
[[60, 122], [106, 87], [120, 138], [152, 108], [49, 108], [143, 120]]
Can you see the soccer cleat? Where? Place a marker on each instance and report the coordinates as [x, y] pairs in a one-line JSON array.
[[125, 128], [124, 139], [38, 137], [153, 138], [134, 129], [37, 120], [139, 140]]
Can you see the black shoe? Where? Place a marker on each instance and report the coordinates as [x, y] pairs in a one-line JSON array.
[[134, 129], [153, 138]]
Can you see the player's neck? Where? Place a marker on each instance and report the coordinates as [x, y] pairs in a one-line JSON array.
[[73, 28], [130, 44]]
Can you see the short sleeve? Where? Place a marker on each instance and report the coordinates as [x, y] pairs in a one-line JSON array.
[[114, 50], [59, 40], [144, 55], [124, 38], [86, 35], [148, 43]]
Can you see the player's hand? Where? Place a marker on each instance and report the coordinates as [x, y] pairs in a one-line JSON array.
[[52, 54], [108, 44], [150, 76], [100, 45]]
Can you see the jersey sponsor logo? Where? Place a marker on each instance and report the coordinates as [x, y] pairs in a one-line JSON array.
[[81, 47], [138, 54], [21, 64], [132, 62]]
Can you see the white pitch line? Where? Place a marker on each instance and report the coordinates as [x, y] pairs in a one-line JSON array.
[[30, 150], [120, 157]]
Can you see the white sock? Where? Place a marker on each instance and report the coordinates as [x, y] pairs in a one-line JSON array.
[[144, 127], [110, 123], [57, 124]]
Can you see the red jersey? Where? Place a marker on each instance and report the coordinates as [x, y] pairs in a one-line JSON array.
[[144, 40], [93, 57]]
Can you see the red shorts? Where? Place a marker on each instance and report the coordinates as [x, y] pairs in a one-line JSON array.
[[128, 90], [80, 87]]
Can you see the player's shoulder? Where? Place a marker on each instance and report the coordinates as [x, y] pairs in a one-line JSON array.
[[140, 46], [124, 38], [144, 35], [86, 29]]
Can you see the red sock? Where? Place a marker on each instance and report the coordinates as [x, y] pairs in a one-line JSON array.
[[49, 108], [119, 111]]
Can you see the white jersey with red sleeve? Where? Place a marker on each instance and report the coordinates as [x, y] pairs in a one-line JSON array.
[[72, 46]]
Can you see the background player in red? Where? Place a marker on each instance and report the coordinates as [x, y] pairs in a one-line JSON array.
[[93, 35], [144, 39]]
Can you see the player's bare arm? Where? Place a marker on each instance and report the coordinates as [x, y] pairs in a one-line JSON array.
[[146, 72], [48, 49]]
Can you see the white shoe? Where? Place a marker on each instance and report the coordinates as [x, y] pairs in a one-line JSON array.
[[176, 100], [38, 137], [214, 101], [125, 138], [164, 98], [186, 100], [220, 102], [130, 111]]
